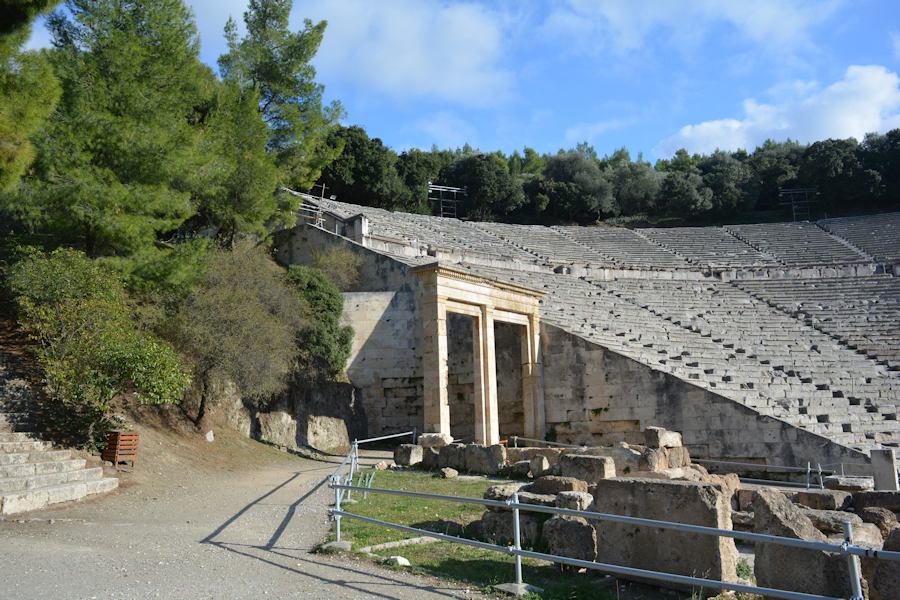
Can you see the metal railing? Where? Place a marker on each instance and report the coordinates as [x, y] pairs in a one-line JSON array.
[[852, 552], [515, 439], [808, 471]]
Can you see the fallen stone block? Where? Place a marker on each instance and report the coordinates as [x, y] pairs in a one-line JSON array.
[[888, 500], [502, 492], [553, 484], [572, 537], [885, 584], [395, 561], [435, 440], [830, 521], [448, 473], [574, 500], [520, 469], [745, 499], [824, 499], [408, 455], [538, 499], [665, 550], [741, 520], [677, 457], [864, 534], [539, 465], [453, 456], [587, 468], [794, 569], [882, 518], [431, 458], [517, 454], [627, 460], [485, 460], [496, 527], [660, 437], [849, 484], [653, 459]]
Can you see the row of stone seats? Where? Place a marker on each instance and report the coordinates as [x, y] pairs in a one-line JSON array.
[[798, 244], [874, 234], [709, 247], [624, 247], [770, 377], [547, 243], [864, 312]]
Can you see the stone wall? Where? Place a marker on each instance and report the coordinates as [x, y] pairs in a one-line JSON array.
[[592, 393]]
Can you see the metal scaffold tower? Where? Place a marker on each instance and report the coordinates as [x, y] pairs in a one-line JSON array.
[[446, 198]]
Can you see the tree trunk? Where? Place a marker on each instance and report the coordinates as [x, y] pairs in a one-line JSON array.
[[202, 420]]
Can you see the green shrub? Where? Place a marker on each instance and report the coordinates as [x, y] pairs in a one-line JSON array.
[[324, 344], [89, 347], [341, 265]]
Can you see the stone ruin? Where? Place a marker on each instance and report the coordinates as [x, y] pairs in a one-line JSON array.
[[652, 476], [772, 343]]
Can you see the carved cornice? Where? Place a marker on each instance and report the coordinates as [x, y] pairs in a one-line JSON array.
[[447, 272]]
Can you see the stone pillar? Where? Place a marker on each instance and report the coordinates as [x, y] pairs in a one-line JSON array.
[[884, 469], [533, 380], [484, 363], [434, 365]]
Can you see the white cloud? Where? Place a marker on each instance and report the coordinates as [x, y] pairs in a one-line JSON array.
[[446, 130], [622, 26], [581, 132], [867, 99], [411, 49]]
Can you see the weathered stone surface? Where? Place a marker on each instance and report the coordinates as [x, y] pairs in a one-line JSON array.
[[453, 456], [501, 492], [849, 484], [662, 550], [408, 455], [516, 454], [885, 584], [326, 433], [279, 428], [574, 500], [824, 499], [587, 468], [654, 460], [485, 460], [627, 460], [677, 457], [396, 561], [864, 534], [448, 473], [745, 499], [553, 484], [431, 458], [538, 465], [572, 537], [830, 521], [888, 500], [794, 569], [435, 440], [741, 520], [660, 437], [496, 527], [882, 518], [539, 499], [520, 469]]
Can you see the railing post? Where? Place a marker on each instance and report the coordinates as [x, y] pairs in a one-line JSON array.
[[517, 539], [515, 441], [337, 507], [853, 564], [808, 472], [354, 455], [821, 481], [415, 435]]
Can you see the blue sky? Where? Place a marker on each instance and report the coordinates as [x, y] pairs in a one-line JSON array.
[[651, 76]]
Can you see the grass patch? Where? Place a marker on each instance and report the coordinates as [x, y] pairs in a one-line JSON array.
[[744, 570], [464, 564]]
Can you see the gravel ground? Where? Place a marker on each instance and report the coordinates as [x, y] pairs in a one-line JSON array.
[[181, 527]]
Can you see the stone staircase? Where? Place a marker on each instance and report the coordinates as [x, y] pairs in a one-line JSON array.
[[33, 474]]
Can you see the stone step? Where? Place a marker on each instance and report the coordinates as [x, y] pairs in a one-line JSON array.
[[18, 502], [18, 436], [30, 482], [18, 458], [29, 446], [41, 468], [14, 418]]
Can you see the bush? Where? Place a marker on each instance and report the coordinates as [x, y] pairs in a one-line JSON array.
[[240, 324], [341, 265], [324, 344], [89, 346]]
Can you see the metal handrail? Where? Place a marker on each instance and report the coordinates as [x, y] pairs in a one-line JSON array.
[[852, 552], [411, 432], [761, 467], [515, 439]]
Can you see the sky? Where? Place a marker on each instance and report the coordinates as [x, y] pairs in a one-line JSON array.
[[648, 75]]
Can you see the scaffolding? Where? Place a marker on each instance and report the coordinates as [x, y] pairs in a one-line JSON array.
[[446, 199], [800, 200]]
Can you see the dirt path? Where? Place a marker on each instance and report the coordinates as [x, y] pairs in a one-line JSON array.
[[197, 521]]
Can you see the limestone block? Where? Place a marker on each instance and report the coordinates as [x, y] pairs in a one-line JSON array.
[[882, 518], [485, 460], [553, 484], [626, 459], [886, 582], [864, 534], [653, 459], [587, 468], [279, 428], [502, 492], [888, 500], [517, 454], [539, 499], [884, 469], [408, 454], [824, 499], [574, 500], [539, 465], [659, 437], [521, 468], [663, 550], [448, 473], [794, 569], [496, 527], [572, 537], [327, 433], [849, 484], [431, 458], [435, 440], [830, 521], [677, 457], [453, 456]]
